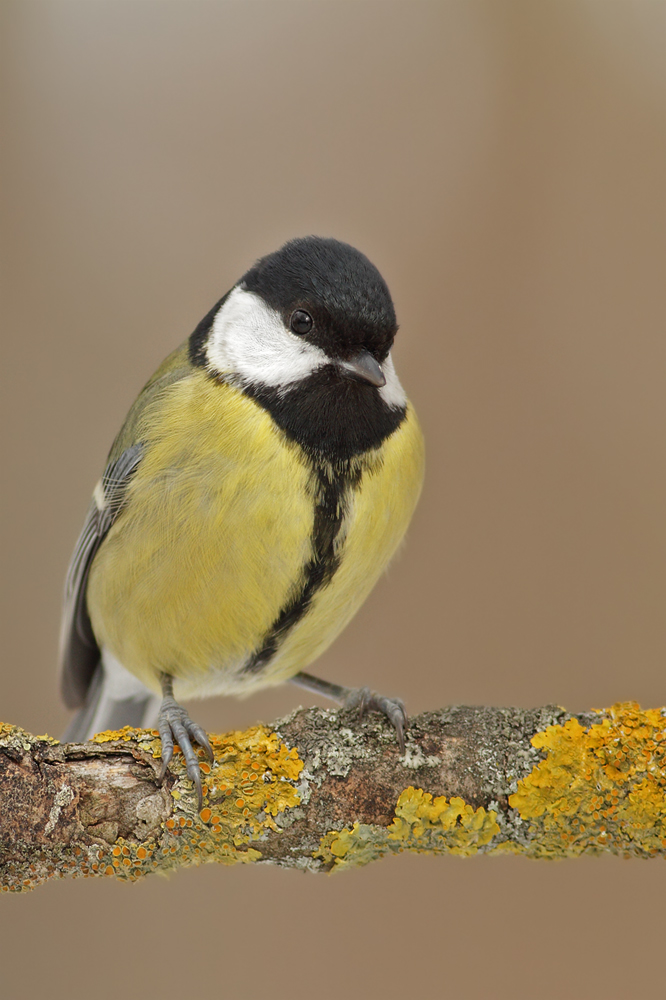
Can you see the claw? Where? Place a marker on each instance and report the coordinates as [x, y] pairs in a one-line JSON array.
[[199, 735], [194, 774], [167, 746]]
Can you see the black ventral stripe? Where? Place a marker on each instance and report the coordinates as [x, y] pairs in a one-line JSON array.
[[330, 508]]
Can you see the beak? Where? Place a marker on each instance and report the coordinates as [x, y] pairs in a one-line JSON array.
[[364, 367]]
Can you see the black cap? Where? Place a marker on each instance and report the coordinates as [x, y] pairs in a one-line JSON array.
[[337, 285]]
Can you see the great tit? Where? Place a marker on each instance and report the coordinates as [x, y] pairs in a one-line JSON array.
[[258, 488]]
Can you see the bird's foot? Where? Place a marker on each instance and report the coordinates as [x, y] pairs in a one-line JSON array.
[[175, 724], [393, 708], [363, 699]]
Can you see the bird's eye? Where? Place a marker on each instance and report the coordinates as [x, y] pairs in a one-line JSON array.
[[301, 322]]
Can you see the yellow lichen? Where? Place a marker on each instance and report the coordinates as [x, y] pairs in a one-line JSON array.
[[246, 788], [425, 823], [10, 734], [249, 783], [148, 739], [600, 788], [353, 848], [421, 823]]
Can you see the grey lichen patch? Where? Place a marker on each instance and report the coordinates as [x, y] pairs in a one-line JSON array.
[[312, 731], [303, 786], [286, 819], [513, 830], [414, 758], [497, 742], [63, 797], [350, 747], [307, 864], [333, 742], [13, 738]]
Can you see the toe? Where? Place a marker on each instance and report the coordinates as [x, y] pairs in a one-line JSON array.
[[191, 762], [365, 701], [398, 718], [199, 736], [167, 747], [175, 725]]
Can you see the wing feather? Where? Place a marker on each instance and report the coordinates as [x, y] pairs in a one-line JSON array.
[[79, 652]]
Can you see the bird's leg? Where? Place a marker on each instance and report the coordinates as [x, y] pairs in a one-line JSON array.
[[174, 723], [362, 698]]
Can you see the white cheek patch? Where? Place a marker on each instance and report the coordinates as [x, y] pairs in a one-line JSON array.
[[249, 341], [392, 393]]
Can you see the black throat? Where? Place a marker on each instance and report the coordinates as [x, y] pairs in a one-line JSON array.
[[331, 416]]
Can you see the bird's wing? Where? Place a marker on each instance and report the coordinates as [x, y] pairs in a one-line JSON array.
[[79, 652]]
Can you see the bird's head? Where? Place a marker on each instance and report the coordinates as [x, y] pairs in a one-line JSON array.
[[307, 332], [316, 307]]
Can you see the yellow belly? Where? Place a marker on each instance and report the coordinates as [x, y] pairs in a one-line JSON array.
[[215, 536]]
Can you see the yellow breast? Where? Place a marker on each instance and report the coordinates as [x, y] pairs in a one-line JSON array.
[[215, 536], [380, 510]]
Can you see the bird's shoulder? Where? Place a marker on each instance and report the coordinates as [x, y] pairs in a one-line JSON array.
[[176, 367]]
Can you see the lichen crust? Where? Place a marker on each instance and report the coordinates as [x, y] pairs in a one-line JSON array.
[[600, 788], [421, 823], [18, 739], [250, 783]]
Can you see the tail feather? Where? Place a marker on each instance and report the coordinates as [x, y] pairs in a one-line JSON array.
[[115, 699]]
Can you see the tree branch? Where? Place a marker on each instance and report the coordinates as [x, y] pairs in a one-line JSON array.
[[320, 790]]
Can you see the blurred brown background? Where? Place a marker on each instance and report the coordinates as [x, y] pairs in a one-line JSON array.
[[503, 165]]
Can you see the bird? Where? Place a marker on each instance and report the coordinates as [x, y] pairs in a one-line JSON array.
[[259, 486]]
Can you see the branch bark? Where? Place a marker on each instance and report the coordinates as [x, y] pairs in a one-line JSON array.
[[320, 790]]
